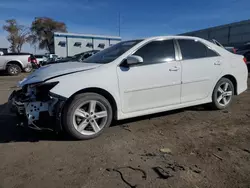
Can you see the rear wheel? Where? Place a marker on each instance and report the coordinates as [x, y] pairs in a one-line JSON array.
[[13, 69], [222, 94], [87, 115]]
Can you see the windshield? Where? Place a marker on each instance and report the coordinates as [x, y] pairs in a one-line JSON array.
[[112, 53]]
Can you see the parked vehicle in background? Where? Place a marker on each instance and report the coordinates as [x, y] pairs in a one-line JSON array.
[[245, 51], [34, 62], [78, 57], [50, 57], [85, 55], [39, 58], [15, 63], [129, 79], [4, 50], [228, 48]]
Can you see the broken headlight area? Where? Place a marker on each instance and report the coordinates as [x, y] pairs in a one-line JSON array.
[[35, 102], [40, 91]]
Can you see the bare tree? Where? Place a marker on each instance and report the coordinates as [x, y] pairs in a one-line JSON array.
[[42, 32], [18, 35]]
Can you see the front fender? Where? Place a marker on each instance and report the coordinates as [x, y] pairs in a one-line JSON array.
[[105, 79]]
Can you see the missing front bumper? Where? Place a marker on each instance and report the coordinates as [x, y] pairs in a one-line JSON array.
[[38, 115], [15, 105]]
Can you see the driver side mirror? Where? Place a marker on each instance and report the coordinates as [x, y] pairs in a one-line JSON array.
[[134, 59]]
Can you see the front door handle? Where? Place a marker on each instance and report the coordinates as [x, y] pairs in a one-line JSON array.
[[217, 63], [174, 68]]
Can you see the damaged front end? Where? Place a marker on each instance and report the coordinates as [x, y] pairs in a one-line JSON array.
[[37, 107]]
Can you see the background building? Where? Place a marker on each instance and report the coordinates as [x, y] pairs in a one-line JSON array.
[[69, 44], [233, 34]]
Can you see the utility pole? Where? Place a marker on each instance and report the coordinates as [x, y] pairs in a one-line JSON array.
[[119, 23]]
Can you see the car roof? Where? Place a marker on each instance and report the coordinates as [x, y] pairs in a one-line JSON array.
[[217, 48], [172, 37]]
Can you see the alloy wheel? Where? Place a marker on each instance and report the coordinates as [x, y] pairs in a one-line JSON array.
[[90, 117], [224, 94], [13, 70]]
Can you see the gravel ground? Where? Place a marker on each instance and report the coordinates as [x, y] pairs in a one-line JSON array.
[[192, 147]]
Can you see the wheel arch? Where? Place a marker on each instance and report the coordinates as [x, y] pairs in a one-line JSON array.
[[14, 62], [233, 80], [99, 91]]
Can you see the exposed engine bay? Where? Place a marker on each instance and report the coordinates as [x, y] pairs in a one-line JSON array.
[[35, 104]]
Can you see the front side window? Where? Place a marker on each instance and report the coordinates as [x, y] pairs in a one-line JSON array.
[[192, 49], [157, 51]]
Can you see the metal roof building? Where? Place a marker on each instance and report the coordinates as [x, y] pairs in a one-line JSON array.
[[233, 34], [69, 44]]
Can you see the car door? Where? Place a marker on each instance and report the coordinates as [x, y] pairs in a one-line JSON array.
[[201, 67], [154, 83]]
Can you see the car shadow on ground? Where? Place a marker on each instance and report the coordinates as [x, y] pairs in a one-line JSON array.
[[4, 73], [11, 131]]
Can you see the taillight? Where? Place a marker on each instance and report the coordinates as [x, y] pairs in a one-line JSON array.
[[29, 59], [234, 50], [34, 61], [245, 60]]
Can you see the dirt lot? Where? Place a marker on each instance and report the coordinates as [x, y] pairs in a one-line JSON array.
[[193, 147]]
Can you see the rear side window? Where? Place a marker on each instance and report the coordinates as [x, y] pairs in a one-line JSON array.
[[192, 49], [157, 51]]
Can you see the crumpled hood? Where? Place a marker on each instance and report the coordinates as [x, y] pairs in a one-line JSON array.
[[49, 71]]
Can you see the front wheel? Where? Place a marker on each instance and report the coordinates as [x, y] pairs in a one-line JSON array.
[[87, 115], [13, 69], [222, 94]]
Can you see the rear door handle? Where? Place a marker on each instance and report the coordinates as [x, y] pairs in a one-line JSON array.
[[174, 68], [217, 63]]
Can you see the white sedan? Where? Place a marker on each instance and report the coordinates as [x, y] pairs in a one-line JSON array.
[[132, 78]]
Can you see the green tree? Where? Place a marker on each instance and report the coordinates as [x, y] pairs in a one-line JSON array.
[[18, 35], [42, 32]]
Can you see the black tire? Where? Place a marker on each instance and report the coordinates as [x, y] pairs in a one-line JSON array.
[[13, 69], [70, 108], [215, 104]]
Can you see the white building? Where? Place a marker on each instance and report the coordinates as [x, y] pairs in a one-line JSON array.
[[69, 44]]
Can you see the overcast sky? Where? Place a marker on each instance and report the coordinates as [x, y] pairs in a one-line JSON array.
[[139, 18]]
